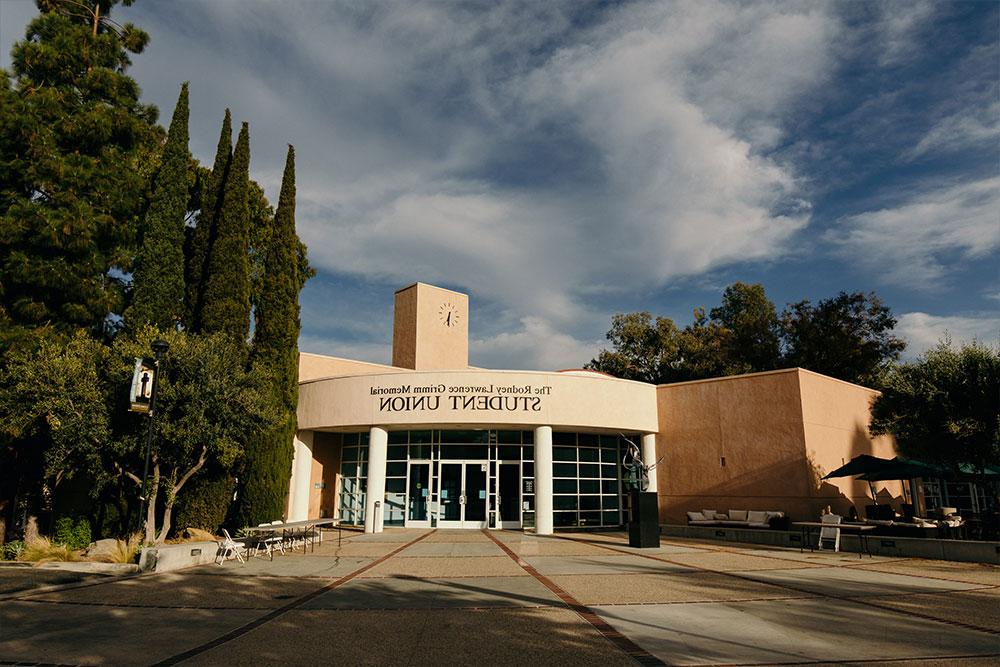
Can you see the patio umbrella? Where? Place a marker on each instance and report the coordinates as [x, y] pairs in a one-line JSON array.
[[860, 465]]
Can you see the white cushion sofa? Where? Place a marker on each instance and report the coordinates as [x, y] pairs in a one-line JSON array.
[[733, 518]]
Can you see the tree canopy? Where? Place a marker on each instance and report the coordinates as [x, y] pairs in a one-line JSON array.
[[78, 148], [945, 407], [848, 337]]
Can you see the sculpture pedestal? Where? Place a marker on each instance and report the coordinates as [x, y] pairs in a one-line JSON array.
[[644, 520]]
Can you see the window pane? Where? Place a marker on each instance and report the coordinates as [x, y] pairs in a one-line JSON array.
[[509, 437], [587, 439], [395, 469], [565, 439], [563, 519], [587, 454], [609, 486], [590, 470], [564, 454], [529, 469], [420, 436], [610, 502], [609, 456], [397, 437], [349, 469], [420, 451], [610, 518], [590, 486], [564, 469], [564, 502], [609, 441], [564, 486], [350, 454], [396, 453], [350, 439], [528, 437], [395, 485], [528, 453], [510, 452], [590, 518], [590, 502]]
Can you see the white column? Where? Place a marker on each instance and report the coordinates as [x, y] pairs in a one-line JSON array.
[[301, 476], [378, 443], [649, 458], [543, 480]]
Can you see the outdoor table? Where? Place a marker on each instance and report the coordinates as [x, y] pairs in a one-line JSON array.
[[292, 526], [862, 529]]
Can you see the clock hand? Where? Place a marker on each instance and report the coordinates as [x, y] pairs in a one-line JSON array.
[[448, 321]]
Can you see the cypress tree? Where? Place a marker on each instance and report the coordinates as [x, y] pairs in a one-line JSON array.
[[203, 233], [158, 295], [226, 302], [268, 464]]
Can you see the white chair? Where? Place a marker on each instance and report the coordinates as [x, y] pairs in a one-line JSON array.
[[227, 545], [831, 534], [269, 544]]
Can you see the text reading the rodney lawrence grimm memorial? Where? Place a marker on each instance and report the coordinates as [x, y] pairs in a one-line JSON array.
[[499, 398]]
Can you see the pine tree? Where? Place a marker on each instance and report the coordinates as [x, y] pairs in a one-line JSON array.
[[78, 148], [200, 237], [226, 301], [268, 463], [158, 295]]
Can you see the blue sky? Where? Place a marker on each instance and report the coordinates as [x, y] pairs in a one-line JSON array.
[[563, 161]]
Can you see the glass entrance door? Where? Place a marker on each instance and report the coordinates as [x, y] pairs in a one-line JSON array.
[[462, 494], [418, 495], [509, 500]]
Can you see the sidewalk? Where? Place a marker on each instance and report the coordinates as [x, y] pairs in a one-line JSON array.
[[422, 597]]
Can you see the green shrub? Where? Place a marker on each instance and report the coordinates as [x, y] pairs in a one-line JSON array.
[[73, 532], [203, 503], [12, 550]]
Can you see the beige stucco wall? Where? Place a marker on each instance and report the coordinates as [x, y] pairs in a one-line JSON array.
[[560, 400], [430, 328], [313, 366], [835, 417], [779, 433]]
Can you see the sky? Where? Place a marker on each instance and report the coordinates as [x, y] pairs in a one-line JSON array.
[[561, 162]]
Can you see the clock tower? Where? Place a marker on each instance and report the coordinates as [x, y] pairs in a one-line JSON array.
[[430, 329]]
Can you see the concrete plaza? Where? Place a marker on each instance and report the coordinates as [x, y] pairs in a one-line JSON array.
[[436, 597]]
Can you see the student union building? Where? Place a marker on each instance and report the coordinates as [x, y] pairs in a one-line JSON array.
[[433, 442]]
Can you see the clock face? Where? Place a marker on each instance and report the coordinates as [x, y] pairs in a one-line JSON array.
[[448, 314]]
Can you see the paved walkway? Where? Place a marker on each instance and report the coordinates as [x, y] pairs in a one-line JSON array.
[[422, 597]]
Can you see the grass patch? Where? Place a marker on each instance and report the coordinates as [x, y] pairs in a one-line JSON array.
[[127, 550], [43, 550]]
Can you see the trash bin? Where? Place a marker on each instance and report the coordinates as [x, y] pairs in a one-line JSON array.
[[644, 519]]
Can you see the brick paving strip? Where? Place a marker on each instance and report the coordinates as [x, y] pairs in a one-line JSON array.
[[843, 598], [281, 611], [623, 643]]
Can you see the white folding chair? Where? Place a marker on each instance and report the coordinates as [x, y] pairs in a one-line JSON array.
[[271, 543], [228, 544], [832, 533]]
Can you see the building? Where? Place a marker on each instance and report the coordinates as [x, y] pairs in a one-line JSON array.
[[432, 442]]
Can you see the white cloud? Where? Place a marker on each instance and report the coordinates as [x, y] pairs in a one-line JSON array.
[[907, 244], [536, 346], [968, 127], [899, 29], [923, 331]]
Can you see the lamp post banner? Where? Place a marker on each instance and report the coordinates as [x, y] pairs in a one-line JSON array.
[[141, 393]]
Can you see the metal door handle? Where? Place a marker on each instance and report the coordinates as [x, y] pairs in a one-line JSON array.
[[461, 499]]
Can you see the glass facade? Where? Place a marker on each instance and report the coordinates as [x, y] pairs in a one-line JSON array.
[[353, 478], [470, 478]]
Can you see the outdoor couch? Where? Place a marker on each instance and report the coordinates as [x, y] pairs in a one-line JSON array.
[[734, 518]]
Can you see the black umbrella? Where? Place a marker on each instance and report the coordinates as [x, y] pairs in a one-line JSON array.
[[861, 465]]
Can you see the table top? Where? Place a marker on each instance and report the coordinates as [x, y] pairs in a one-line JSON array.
[[861, 527], [307, 523]]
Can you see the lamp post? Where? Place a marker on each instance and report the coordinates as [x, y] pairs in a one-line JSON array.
[[160, 348]]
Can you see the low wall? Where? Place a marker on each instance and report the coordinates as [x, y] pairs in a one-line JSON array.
[[168, 557], [913, 547]]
